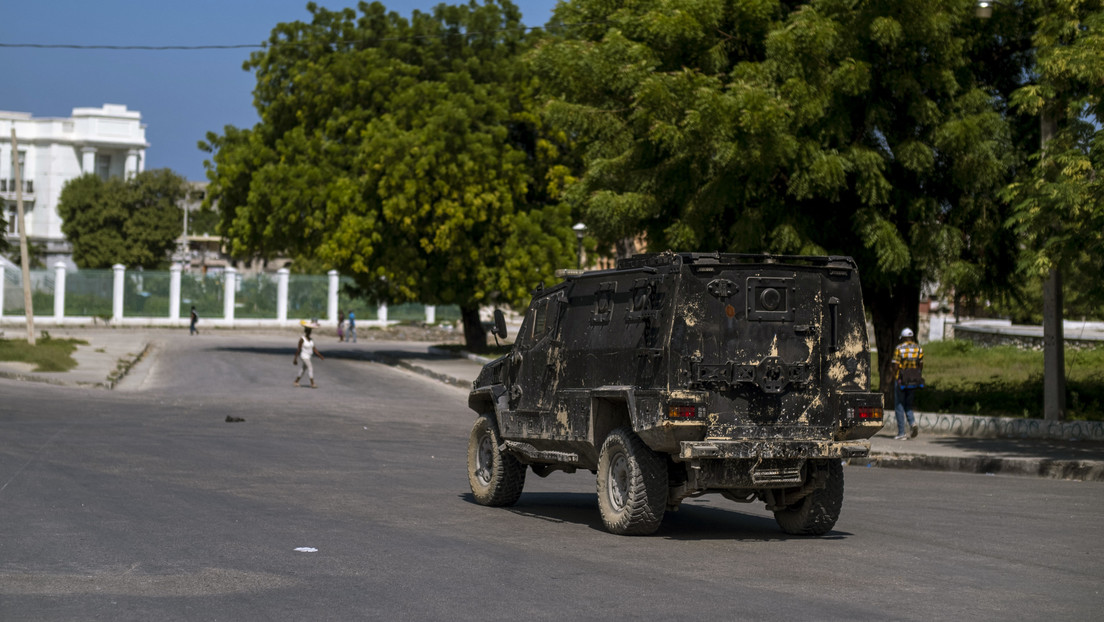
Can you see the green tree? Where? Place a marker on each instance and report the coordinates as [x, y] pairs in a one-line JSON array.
[[406, 153], [135, 222], [830, 126], [203, 221], [1059, 198]]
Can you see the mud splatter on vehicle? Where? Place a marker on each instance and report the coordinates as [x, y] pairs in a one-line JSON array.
[[676, 375]]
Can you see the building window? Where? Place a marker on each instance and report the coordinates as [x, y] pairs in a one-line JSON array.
[[9, 185], [11, 220], [103, 165]]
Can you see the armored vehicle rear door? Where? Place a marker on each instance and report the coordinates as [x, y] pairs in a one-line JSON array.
[[536, 355], [767, 332]]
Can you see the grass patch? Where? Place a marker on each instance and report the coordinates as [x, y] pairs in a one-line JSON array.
[[1006, 381], [48, 354]]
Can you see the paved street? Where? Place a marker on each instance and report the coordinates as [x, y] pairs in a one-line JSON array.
[[351, 502]]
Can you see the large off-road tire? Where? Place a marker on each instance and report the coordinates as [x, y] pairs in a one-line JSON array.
[[816, 514], [632, 484], [496, 477]]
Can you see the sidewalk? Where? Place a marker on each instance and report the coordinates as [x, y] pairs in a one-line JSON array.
[[109, 355], [112, 352]]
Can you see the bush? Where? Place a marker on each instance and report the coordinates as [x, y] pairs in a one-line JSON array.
[[1006, 381]]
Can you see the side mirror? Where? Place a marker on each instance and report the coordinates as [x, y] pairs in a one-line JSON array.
[[499, 329]]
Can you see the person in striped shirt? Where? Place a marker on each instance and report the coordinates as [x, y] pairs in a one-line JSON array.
[[908, 367]]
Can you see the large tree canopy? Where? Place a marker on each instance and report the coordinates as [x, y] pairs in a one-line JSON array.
[[406, 153], [1059, 199], [135, 222], [869, 129]]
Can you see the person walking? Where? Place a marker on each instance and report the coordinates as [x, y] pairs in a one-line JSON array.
[[303, 354], [340, 325], [195, 320], [908, 367], [352, 327]]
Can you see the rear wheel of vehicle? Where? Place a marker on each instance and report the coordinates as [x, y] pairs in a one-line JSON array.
[[817, 513], [496, 477], [632, 485]]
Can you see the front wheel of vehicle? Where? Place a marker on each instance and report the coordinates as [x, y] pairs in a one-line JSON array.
[[632, 484], [496, 477], [817, 513]]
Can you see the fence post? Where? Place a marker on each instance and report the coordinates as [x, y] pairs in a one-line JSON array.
[[331, 299], [59, 291], [174, 291], [430, 314], [230, 284], [117, 293], [282, 294]]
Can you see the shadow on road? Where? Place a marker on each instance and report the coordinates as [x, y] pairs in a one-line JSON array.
[[691, 522], [387, 357]]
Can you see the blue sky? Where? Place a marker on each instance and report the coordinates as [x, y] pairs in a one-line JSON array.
[[181, 94]]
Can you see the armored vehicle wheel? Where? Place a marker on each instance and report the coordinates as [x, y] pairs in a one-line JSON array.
[[496, 478], [632, 484], [817, 513]]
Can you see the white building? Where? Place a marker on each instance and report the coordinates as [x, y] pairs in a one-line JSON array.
[[108, 141]]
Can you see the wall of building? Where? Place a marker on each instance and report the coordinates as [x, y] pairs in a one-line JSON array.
[[109, 141]]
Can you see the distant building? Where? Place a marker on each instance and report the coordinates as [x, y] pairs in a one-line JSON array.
[[198, 249], [108, 141]]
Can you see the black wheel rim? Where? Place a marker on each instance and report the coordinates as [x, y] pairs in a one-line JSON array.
[[484, 460]]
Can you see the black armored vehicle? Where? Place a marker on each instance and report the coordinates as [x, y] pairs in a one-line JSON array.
[[676, 375]]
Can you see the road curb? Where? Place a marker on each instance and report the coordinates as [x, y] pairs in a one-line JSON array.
[[445, 378], [418, 369], [464, 354], [1078, 470], [124, 367], [31, 377]]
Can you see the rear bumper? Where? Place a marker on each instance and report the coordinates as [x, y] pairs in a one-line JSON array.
[[769, 450]]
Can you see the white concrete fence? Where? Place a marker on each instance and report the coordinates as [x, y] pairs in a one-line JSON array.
[[230, 283]]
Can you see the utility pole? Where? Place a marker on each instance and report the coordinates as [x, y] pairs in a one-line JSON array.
[[1054, 339], [28, 305], [1054, 342]]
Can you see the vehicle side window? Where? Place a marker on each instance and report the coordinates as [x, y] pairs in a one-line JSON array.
[[540, 321], [543, 316], [528, 334]]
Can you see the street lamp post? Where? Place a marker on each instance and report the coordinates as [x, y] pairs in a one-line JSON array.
[[580, 231]]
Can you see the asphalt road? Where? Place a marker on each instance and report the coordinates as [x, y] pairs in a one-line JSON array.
[[351, 502]]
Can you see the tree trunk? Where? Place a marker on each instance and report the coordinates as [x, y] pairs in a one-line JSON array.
[[475, 335], [892, 310]]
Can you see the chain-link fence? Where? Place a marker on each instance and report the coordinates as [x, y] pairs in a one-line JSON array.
[[255, 296], [307, 296], [42, 292], [148, 293], [205, 292], [88, 293]]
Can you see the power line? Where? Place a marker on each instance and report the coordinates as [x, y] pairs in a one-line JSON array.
[[72, 46], [239, 46]]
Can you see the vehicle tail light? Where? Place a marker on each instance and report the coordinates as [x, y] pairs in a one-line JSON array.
[[684, 411], [865, 413]]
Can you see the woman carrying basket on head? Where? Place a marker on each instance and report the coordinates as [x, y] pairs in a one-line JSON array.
[[303, 353]]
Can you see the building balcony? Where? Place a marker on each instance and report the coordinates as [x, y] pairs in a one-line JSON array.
[[9, 186]]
